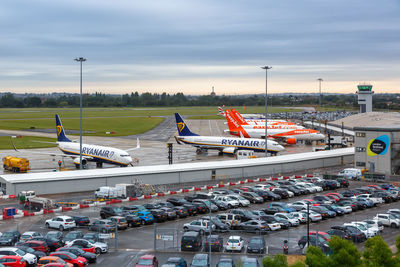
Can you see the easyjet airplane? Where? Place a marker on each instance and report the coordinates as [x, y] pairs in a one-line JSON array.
[[289, 136]]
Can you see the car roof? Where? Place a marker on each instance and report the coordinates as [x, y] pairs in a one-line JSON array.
[[148, 256], [234, 237], [191, 233], [200, 256]]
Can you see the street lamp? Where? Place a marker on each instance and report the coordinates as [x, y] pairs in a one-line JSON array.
[[320, 93], [81, 60], [266, 68]]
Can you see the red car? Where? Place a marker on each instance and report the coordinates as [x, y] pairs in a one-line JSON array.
[[38, 245], [324, 235], [147, 261], [311, 201], [14, 261], [333, 197], [82, 244], [71, 258]]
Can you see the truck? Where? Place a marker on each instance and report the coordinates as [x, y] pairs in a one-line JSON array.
[[15, 164], [39, 203], [118, 191], [336, 140]]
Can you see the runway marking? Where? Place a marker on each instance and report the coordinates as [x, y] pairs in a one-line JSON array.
[[219, 130], [209, 126]]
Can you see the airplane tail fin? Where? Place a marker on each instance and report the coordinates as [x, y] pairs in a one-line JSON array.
[[221, 111], [234, 127], [239, 117], [60, 131], [183, 129]]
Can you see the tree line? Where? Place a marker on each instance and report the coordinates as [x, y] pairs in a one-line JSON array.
[[344, 254], [10, 100]]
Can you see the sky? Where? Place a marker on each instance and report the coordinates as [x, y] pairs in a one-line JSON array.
[[189, 46]]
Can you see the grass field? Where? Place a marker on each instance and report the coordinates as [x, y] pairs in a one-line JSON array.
[[26, 142]]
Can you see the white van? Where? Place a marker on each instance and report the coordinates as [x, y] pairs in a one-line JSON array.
[[106, 192], [351, 173]]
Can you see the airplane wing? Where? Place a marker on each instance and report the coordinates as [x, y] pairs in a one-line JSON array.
[[134, 148]]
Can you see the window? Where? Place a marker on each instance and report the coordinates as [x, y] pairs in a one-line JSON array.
[[360, 134], [360, 164], [360, 149]]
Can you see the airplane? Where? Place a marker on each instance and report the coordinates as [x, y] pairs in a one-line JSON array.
[[221, 112], [252, 124], [252, 119], [289, 136], [227, 145], [98, 154]]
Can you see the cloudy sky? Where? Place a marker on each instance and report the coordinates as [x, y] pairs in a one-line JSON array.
[[189, 46]]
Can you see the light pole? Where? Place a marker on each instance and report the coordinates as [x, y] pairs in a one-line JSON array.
[[266, 68], [81, 60], [320, 93]]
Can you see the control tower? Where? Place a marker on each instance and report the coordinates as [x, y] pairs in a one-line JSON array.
[[365, 97]]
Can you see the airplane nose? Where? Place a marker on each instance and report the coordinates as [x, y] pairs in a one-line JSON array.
[[129, 160], [281, 148]]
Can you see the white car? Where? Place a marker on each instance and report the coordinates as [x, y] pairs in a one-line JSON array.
[[375, 200], [28, 257], [234, 243], [371, 229], [29, 235], [314, 216], [232, 203], [299, 216], [346, 209], [298, 205], [242, 201], [388, 220], [376, 224], [288, 216], [99, 246], [262, 186], [309, 187], [61, 223]]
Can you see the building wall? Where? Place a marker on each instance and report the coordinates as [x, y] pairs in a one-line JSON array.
[[168, 177], [379, 163]]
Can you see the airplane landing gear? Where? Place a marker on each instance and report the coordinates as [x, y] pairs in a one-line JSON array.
[[99, 165]]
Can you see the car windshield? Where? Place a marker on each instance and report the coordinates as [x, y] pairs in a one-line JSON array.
[[362, 227], [20, 252], [28, 249], [199, 262], [256, 241], [8, 234], [224, 264], [72, 235], [145, 262], [241, 198], [233, 241], [216, 220], [118, 210], [249, 264], [25, 236], [290, 216], [50, 234]]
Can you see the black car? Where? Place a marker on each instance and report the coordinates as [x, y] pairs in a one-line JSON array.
[[159, 215], [331, 184], [81, 220], [313, 240], [343, 182], [93, 237], [52, 243], [282, 192], [352, 232], [322, 184], [200, 207], [219, 225], [283, 222], [27, 249], [10, 237], [386, 196], [151, 206], [342, 233], [256, 245], [191, 241], [57, 235], [221, 205], [90, 257], [245, 215], [171, 213], [252, 197], [215, 242], [296, 192], [190, 198], [72, 236], [131, 218], [106, 212], [323, 199], [192, 209], [273, 210], [181, 211]]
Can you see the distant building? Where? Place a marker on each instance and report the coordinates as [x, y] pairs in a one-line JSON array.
[[212, 92], [365, 97]]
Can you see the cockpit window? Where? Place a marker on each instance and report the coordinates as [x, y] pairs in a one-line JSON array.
[[124, 156]]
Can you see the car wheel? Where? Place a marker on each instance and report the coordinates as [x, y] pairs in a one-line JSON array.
[[201, 232], [98, 251], [142, 222], [393, 225], [229, 206], [104, 230], [61, 228], [47, 225], [185, 229], [301, 245]]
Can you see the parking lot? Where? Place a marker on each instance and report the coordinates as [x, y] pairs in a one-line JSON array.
[[137, 241]]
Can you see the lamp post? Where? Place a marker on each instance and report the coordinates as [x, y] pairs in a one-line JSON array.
[[320, 93], [81, 60], [266, 68]]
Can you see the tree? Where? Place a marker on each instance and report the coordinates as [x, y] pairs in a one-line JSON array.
[[275, 261], [344, 253], [316, 258], [378, 254]]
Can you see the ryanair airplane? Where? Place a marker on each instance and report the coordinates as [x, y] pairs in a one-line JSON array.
[[224, 144], [98, 154]]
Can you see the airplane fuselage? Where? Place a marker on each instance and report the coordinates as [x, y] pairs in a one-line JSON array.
[[101, 154]]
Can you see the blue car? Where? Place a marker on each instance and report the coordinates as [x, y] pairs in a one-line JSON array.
[[339, 211], [145, 217], [282, 205]]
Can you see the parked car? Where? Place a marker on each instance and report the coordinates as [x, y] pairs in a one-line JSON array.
[[388, 220], [29, 235], [200, 260], [90, 257], [52, 243], [14, 261], [242, 201], [225, 262], [9, 238], [252, 197], [28, 257], [72, 236], [27, 249], [234, 243], [289, 217], [219, 225], [132, 219], [249, 262], [201, 226], [71, 258], [232, 220], [255, 226], [313, 239], [283, 205], [52, 261], [176, 261], [340, 232], [215, 242], [220, 204], [109, 211], [353, 232], [245, 215], [81, 220], [232, 203], [120, 221], [351, 173], [256, 245], [191, 241], [56, 236], [103, 226], [85, 245], [148, 260], [37, 245], [61, 223]]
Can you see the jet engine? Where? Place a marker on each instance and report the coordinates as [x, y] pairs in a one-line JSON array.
[[291, 141], [229, 150], [76, 162]]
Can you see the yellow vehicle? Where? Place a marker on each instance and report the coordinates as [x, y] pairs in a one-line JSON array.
[[15, 164]]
